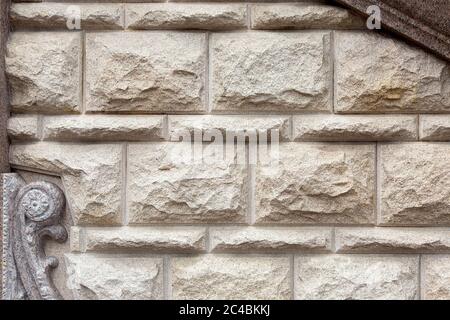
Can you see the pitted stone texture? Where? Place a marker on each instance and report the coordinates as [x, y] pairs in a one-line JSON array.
[[91, 175], [232, 125], [303, 16], [415, 184], [375, 74], [392, 240], [436, 277], [248, 239], [23, 128], [354, 128], [61, 16], [435, 127], [103, 128], [162, 188], [262, 71], [44, 71], [145, 72], [317, 183], [158, 239], [360, 277], [92, 277], [186, 16], [231, 277]]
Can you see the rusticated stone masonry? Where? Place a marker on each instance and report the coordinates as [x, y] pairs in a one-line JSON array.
[[358, 206]]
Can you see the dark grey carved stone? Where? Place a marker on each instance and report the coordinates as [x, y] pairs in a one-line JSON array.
[[30, 213]]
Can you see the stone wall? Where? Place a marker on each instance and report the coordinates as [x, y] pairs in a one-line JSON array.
[[357, 208]]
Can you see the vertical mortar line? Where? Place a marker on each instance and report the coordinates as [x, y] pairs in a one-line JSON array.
[[333, 69], [124, 183], [165, 129], [377, 184], [40, 124], [208, 239], [251, 219], [333, 239], [291, 129]]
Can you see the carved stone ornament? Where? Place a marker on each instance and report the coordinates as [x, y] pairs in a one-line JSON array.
[[31, 212]]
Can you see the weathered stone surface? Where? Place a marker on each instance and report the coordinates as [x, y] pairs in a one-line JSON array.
[[233, 125], [303, 16], [247, 239], [44, 71], [160, 239], [317, 183], [186, 16], [354, 128], [163, 188], [23, 128], [360, 277], [144, 71], [92, 277], [376, 74], [436, 277], [57, 15], [271, 71], [103, 128], [91, 175], [435, 127], [230, 277], [415, 184], [392, 240]]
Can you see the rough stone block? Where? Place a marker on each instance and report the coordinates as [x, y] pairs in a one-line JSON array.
[[230, 277], [163, 188], [435, 127], [275, 71], [44, 71], [92, 277], [317, 183], [415, 184], [355, 128], [436, 277], [377, 74], [360, 277], [103, 128], [145, 72], [23, 128], [392, 240], [303, 16], [248, 239], [91, 175], [186, 16]]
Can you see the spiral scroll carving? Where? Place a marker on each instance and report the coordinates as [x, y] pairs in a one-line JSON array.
[[36, 213]]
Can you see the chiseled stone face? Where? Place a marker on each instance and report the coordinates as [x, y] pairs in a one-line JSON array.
[[435, 127], [248, 239], [436, 277], [355, 128], [186, 16], [392, 240], [23, 127], [145, 71], [230, 277], [376, 74], [91, 175], [303, 16], [360, 277], [60, 15], [317, 183], [271, 71], [44, 71], [161, 188], [103, 128], [415, 184], [96, 277]]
